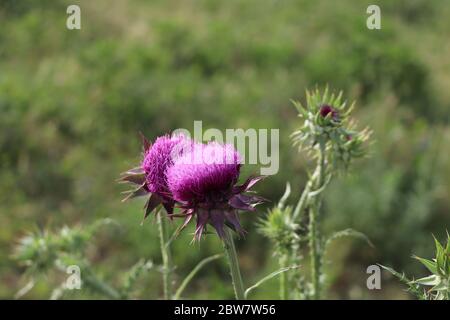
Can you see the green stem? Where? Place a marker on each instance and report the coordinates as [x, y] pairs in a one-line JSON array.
[[166, 256], [230, 251], [314, 255], [101, 287], [284, 278], [301, 204], [193, 273], [314, 236]]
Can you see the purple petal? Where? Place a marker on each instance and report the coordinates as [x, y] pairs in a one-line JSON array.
[[205, 169]]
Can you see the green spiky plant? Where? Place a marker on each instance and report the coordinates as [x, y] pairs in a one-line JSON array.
[[46, 254], [282, 232], [330, 140], [435, 286], [43, 252]]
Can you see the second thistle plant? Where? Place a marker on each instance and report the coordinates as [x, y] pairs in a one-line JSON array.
[[330, 138], [331, 141]]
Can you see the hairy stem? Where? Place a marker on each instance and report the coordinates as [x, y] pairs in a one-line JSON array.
[[230, 251], [304, 196], [314, 236], [166, 256], [313, 252], [284, 285], [101, 287]]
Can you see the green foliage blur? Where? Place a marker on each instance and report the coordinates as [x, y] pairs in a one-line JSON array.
[[73, 101]]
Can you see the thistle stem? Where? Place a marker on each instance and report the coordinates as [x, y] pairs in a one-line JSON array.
[[166, 256], [314, 256], [230, 251], [314, 236], [284, 278], [101, 287]]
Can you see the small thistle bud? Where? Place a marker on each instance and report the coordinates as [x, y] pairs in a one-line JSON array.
[[326, 123], [325, 110]]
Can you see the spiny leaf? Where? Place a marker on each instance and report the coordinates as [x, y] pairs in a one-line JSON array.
[[440, 256], [192, 274], [428, 281], [268, 277], [410, 283], [285, 196], [430, 265], [348, 233]]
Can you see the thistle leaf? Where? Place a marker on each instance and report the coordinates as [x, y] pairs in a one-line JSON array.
[[268, 277], [348, 233], [430, 265], [413, 288], [285, 196], [192, 274], [428, 281], [440, 256]]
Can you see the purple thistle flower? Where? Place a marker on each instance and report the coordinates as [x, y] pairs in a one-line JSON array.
[[157, 159], [325, 110], [204, 181], [151, 175]]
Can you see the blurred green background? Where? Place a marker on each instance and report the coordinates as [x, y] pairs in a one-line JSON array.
[[72, 104]]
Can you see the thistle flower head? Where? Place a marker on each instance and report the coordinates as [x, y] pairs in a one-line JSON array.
[[326, 124], [204, 181], [204, 173], [158, 158], [151, 176], [278, 226]]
